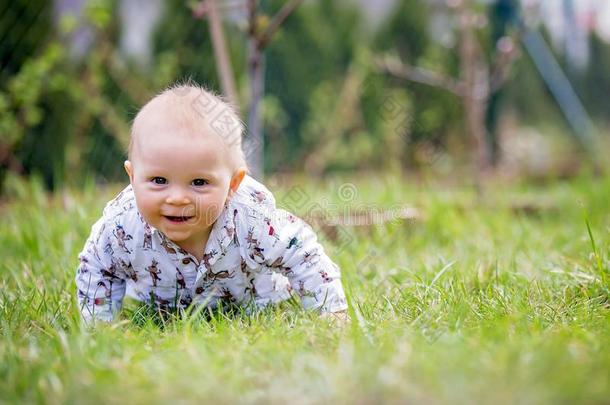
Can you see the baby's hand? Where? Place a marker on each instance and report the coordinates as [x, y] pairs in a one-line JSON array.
[[339, 317]]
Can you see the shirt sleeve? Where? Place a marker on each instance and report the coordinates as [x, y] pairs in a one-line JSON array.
[[100, 276], [287, 245]]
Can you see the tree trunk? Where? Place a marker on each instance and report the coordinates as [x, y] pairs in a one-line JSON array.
[[254, 142], [475, 77], [223, 64]]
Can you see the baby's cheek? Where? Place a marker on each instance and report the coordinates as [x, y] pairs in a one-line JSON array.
[[209, 213], [148, 209]]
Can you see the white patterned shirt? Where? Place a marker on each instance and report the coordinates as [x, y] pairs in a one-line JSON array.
[[256, 254]]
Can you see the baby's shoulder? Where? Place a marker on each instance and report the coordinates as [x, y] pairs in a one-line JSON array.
[[253, 195], [251, 207], [122, 208], [118, 230]]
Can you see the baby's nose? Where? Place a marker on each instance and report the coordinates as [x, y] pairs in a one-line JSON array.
[[178, 198]]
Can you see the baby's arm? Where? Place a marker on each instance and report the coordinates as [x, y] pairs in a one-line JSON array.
[[286, 244], [100, 277]]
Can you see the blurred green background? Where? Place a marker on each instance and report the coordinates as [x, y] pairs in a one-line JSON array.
[[74, 73]]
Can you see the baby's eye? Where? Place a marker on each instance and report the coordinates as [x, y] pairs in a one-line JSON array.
[[159, 180], [199, 182]]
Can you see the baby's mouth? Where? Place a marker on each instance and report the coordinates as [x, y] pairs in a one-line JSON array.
[[177, 219]]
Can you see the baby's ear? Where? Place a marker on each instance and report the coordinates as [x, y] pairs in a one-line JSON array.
[[128, 169], [236, 180]]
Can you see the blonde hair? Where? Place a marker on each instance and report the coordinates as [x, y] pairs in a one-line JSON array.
[[197, 108]]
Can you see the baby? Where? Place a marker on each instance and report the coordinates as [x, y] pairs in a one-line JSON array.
[[193, 228]]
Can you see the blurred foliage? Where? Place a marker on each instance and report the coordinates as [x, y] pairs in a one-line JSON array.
[[312, 50], [326, 108], [594, 85]]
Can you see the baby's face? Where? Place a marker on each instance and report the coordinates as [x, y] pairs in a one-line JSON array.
[[181, 180]]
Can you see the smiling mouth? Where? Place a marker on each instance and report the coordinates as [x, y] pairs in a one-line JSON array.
[[177, 219]]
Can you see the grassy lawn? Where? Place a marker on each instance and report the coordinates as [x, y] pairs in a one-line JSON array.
[[496, 300]]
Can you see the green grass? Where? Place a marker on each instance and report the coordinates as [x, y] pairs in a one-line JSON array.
[[475, 303]]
